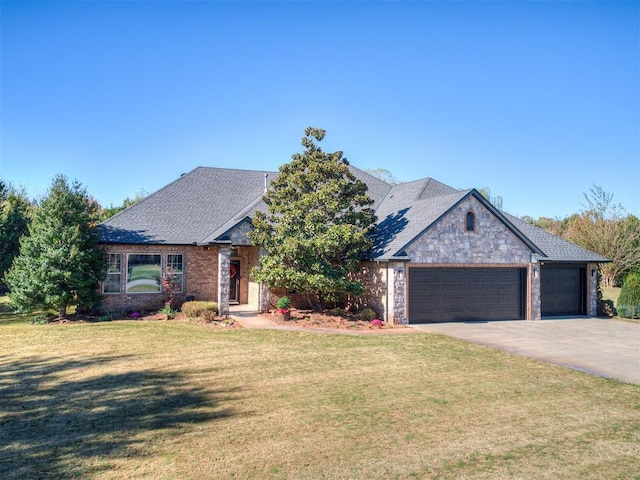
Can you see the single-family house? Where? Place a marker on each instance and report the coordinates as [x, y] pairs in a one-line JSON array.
[[440, 254]]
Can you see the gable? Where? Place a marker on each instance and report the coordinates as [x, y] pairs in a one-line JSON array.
[[448, 241]]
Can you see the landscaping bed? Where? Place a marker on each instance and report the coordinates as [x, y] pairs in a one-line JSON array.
[[330, 319]]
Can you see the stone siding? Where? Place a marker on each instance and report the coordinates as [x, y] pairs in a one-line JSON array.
[[199, 277], [224, 265], [448, 241], [534, 305], [239, 234], [397, 289], [592, 289]]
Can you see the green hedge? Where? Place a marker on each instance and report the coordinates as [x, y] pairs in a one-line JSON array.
[[205, 310], [629, 300]]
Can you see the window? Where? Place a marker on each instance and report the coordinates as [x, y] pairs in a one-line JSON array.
[[471, 222], [174, 269], [112, 281], [143, 273]]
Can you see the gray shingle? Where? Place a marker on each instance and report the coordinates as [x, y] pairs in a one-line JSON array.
[[555, 248], [203, 205], [188, 210]]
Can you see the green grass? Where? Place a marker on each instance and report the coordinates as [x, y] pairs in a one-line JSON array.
[[611, 293], [178, 400]]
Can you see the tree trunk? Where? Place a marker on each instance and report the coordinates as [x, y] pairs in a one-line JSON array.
[[608, 279]]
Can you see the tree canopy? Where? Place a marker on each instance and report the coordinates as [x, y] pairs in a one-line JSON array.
[[60, 263], [109, 212], [316, 227], [604, 228], [15, 208]]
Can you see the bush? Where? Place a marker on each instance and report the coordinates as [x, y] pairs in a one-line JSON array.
[[606, 308], [283, 303], [629, 299], [169, 312], [367, 315], [204, 310]]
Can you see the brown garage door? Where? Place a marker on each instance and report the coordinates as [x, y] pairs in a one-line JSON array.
[[562, 290], [459, 294]]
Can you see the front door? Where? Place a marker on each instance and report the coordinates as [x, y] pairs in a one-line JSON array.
[[234, 281]]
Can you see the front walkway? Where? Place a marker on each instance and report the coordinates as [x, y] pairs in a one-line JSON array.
[[604, 347]]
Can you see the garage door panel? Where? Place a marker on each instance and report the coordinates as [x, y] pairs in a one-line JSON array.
[[458, 294], [562, 290]]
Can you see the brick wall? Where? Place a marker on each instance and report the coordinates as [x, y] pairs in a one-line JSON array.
[[200, 276]]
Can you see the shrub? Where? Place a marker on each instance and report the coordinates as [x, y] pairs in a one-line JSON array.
[[197, 309], [40, 320], [339, 312], [629, 299], [367, 315], [169, 312], [283, 303], [376, 323]]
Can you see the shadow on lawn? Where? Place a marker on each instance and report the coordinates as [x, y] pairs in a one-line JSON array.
[[58, 428]]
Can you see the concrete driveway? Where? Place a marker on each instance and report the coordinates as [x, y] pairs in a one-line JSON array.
[[604, 347]]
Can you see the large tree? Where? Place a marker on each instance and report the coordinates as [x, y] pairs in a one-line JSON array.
[[14, 221], [60, 262], [603, 227], [316, 227]]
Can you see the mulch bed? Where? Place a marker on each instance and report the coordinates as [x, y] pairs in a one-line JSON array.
[[298, 318], [312, 319]]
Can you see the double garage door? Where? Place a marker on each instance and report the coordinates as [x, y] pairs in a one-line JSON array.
[[439, 294]]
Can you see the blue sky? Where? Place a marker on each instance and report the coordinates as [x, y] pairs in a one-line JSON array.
[[536, 100]]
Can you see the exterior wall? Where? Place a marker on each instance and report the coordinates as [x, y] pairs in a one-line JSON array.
[[398, 287], [238, 235], [592, 289], [199, 277], [534, 304], [448, 242], [374, 279], [385, 287], [491, 243], [249, 291], [224, 264]]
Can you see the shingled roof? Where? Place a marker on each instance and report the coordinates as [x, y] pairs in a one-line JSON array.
[[203, 206], [555, 249], [189, 210]]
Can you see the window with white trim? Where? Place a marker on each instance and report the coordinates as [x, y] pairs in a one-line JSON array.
[[112, 282], [143, 273], [175, 270]]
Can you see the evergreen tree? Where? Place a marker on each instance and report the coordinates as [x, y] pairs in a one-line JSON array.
[[14, 221], [317, 225], [60, 262]]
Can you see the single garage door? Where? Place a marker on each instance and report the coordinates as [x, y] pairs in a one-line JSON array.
[[458, 294], [562, 290]]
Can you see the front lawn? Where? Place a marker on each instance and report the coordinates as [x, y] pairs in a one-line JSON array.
[[179, 400]]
